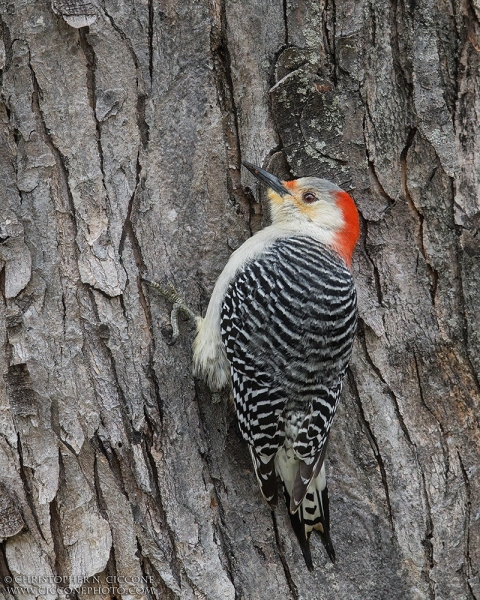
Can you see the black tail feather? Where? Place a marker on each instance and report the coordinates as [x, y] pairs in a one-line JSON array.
[[305, 474], [299, 529], [300, 486], [323, 528], [325, 522]]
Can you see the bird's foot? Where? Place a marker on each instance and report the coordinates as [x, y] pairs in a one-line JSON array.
[[178, 305]]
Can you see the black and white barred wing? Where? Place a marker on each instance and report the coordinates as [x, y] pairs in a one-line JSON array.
[[260, 402], [287, 325]]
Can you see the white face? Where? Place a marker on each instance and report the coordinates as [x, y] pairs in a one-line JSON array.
[[310, 200]]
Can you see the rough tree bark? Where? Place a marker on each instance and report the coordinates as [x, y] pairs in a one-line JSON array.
[[120, 154]]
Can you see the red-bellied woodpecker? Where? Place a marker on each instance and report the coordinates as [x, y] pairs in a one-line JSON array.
[[280, 324]]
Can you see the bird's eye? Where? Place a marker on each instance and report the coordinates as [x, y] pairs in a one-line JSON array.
[[308, 197]]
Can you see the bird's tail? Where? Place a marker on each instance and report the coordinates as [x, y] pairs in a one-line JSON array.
[[313, 511]]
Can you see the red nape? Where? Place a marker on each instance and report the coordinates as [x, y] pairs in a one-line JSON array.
[[347, 238]]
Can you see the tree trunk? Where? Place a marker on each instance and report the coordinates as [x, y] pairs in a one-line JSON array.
[[120, 153]]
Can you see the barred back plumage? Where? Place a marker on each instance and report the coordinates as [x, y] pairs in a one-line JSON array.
[[288, 321]]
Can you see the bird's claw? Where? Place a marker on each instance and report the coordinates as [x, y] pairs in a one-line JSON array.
[[179, 305]]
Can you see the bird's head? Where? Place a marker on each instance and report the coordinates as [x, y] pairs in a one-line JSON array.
[[315, 201]]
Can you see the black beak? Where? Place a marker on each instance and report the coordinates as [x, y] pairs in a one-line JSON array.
[[273, 182]]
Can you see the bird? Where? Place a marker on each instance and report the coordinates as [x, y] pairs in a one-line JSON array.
[[279, 328]]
